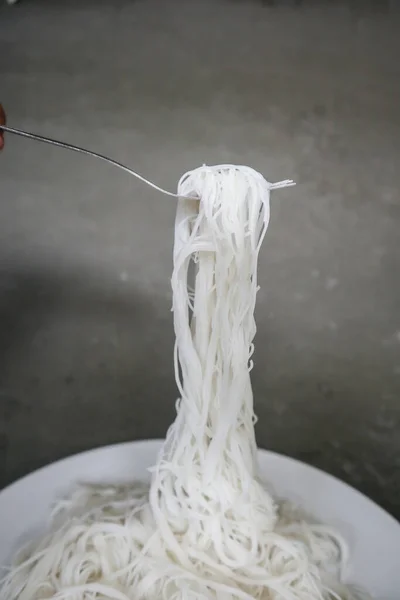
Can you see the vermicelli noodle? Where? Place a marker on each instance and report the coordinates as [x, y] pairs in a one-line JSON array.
[[207, 527]]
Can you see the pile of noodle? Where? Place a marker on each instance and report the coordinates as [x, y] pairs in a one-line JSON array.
[[206, 527]]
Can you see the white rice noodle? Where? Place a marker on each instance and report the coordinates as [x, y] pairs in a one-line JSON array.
[[207, 528]]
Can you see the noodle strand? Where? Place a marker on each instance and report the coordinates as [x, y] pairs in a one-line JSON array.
[[206, 527]]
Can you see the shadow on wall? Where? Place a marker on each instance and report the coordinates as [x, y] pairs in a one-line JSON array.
[[86, 361], [83, 363], [327, 411]]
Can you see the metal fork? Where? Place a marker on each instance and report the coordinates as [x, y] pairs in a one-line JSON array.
[[66, 146]]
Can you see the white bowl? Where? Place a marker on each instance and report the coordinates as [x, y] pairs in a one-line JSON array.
[[373, 535]]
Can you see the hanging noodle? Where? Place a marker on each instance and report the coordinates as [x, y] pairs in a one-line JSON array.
[[207, 528]]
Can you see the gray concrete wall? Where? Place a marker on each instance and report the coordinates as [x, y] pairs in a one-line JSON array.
[[85, 251]]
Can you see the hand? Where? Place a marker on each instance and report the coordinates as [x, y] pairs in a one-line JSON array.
[[2, 122]]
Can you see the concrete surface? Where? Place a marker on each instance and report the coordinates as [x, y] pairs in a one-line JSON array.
[[309, 93]]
